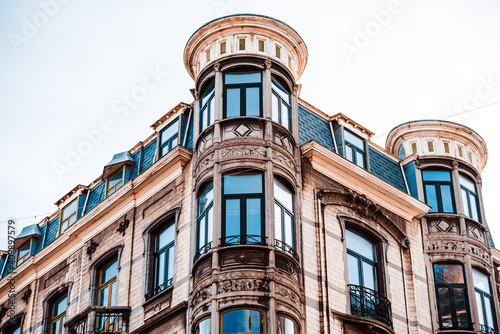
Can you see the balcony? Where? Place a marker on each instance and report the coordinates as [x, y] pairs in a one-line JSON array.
[[202, 251], [158, 289], [370, 304], [249, 239], [286, 248], [487, 330], [98, 319]]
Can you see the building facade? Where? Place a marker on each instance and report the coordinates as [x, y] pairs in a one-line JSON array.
[[251, 211]]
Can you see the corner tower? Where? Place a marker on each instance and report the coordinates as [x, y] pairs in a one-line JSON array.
[[246, 174]]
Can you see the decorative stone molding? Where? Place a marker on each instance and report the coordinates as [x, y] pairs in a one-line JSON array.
[[244, 129], [201, 296], [242, 151], [243, 285], [205, 163], [443, 225], [206, 140]]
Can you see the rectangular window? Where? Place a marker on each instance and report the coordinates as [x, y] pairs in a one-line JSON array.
[[414, 148], [354, 148], [446, 147], [23, 253], [242, 95], [284, 221], [68, 215], [208, 55], [205, 220], [222, 48], [261, 45], [484, 302], [241, 44], [470, 200], [169, 137], [430, 146], [58, 315], [163, 260], [460, 152], [207, 107], [243, 204], [451, 295], [278, 52], [115, 181], [280, 104], [438, 191]]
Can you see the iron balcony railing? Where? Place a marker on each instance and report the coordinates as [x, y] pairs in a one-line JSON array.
[[370, 304], [286, 248], [487, 330], [248, 239], [159, 289], [203, 250], [100, 320]]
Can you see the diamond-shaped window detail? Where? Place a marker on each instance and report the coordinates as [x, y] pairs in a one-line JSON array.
[[443, 226], [242, 130], [242, 257]]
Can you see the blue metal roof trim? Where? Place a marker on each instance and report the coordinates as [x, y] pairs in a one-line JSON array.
[[314, 127], [53, 229], [39, 245], [149, 155], [135, 170], [189, 141], [386, 169]]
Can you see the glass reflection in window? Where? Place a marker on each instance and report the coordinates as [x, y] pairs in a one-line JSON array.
[[470, 200], [438, 190], [242, 94], [484, 299], [243, 321], [287, 325]]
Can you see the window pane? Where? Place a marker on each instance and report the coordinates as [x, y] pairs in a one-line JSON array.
[[203, 118], [117, 177], [481, 281], [480, 311], [60, 306], [278, 89], [170, 131], [465, 203], [202, 232], [254, 222], [353, 269], [204, 327], [171, 261], [243, 184], [349, 153], [206, 199], [461, 307], [449, 273], [70, 209], [360, 159], [161, 268], [207, 95], [447, 198], [473, 207], [232, 217], [275, 108], [166, 237], [253, 101], [109, 271], [444, 307], [243, 321], [369, 277], [24, 250], [289, 230], [436, 175], [233, 102], [211, 112], [210, 223], [103, 296], [283, 195], [284, 115], [112, 302], [286, 326], [431, 197], [242, 78], [467, 184], [488, 310], [277, 222], [360, 245], [354, 140]]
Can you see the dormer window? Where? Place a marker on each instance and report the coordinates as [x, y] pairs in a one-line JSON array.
[[23, 253], [242, 94], [354, 149], [68, 215], [115, 181], [169, 137]]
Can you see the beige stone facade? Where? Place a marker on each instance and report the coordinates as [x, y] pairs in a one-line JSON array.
[[251, 211]]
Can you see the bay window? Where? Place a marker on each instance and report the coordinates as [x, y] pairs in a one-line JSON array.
[[207, 107], [243, 321], [242, 94], [451, 295], [438, 191], [243, 207], [280, 103], [284, 222], [205, 219], [469, 198]]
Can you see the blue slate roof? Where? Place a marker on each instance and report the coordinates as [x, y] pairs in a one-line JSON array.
[[386, 168], [314, 127]]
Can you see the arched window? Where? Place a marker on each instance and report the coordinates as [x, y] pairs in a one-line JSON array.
[[280, 103], [451, 295], [242, 94], [163, 258], [205, 219], [107, 289], [469, 198], [242, 208], [284, 221], [203, 326], [207, 106], [484, 302], [58, 315], [287, 325], [438, 190], [244, 321]]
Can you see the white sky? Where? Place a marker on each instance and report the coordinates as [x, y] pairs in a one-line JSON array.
[[427, 60]]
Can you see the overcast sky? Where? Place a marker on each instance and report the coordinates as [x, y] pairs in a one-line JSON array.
[[66, 68]]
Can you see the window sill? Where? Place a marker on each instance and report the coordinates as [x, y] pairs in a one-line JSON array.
[[159, 297]]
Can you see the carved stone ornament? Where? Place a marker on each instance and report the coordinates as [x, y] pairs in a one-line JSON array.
[[123, 226], [91, 248], [284, 160], [201, 296], [475, 232], [363, 205], [242, 151], [283, 141], [243, 285], [27, 294], [288, 294], [205, 162]]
